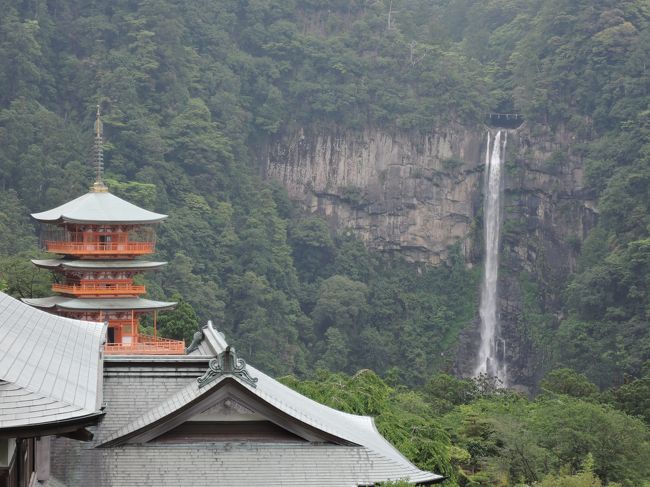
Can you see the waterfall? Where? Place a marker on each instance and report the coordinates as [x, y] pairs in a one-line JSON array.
[[491, 354]]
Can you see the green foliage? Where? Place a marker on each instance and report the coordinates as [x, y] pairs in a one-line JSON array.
[[608, 297], [602, 351], [514, 441], [494, 437], [444, 392], [396, 483], [583, 479], [181, 323], [353, 195], [537, 322], [571, 429], [21, 279], [141, 194], [341, 302], [401, 416], [16, 231], [555, 162], [569, 382], [313, 248], [633, 397], [268, 323], [40, 155], [452, 163], [337, 350]]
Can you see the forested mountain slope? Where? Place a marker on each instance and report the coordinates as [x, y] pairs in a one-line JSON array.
[[194, 92]]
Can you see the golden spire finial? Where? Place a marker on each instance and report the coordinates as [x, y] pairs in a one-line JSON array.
[[99, 186]]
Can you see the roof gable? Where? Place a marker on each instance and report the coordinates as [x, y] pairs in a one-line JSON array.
[[226, 399], [197, 432], [229, 409]]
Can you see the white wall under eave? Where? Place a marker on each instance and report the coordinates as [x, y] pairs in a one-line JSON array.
[[7, 449]]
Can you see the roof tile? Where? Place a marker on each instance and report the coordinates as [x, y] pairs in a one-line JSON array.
[[45, 374]]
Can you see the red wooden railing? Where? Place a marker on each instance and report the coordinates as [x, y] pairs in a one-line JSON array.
[[99, 248], [99, 289], [147, 345]]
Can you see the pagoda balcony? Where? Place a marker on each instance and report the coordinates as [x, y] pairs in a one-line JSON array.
[[146, 345], [100, 289], [100, 248]]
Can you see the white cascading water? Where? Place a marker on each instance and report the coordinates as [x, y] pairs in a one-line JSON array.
[[491, 354]]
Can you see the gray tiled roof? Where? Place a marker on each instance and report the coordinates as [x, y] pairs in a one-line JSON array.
[[81, 304], [98, 207], [49, 366], [355, 429], [231, 464], [141, 390], [213, 342], [97, 264]]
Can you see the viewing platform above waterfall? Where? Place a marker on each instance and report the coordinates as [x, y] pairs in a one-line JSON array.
[[504, 120]]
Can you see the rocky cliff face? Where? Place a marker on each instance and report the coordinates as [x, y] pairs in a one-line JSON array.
[[420, 194], [413, 194]]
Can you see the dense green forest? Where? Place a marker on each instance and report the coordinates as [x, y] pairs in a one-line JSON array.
[[477, 434], [192, 91]]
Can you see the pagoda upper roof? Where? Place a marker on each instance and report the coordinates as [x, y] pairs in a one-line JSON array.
[[97, 304], [97, 264], [50, 370], [98, 207]]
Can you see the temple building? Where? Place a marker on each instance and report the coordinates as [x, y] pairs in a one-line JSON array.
[[207, 418], [71, 416], [50, 385], [99, 238]]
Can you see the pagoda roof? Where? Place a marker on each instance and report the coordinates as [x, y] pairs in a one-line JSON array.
[[50, 371], [98, 207], [97, 264], [97, 304]]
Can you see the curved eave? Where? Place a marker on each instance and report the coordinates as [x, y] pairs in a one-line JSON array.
[[95, 221], [135, 265], [102, 208], [98, 304], [55, 426]]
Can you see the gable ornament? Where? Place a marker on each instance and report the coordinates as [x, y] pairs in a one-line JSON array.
[[227, 363]]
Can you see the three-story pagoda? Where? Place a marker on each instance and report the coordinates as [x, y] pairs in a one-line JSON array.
[[99, 238]]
